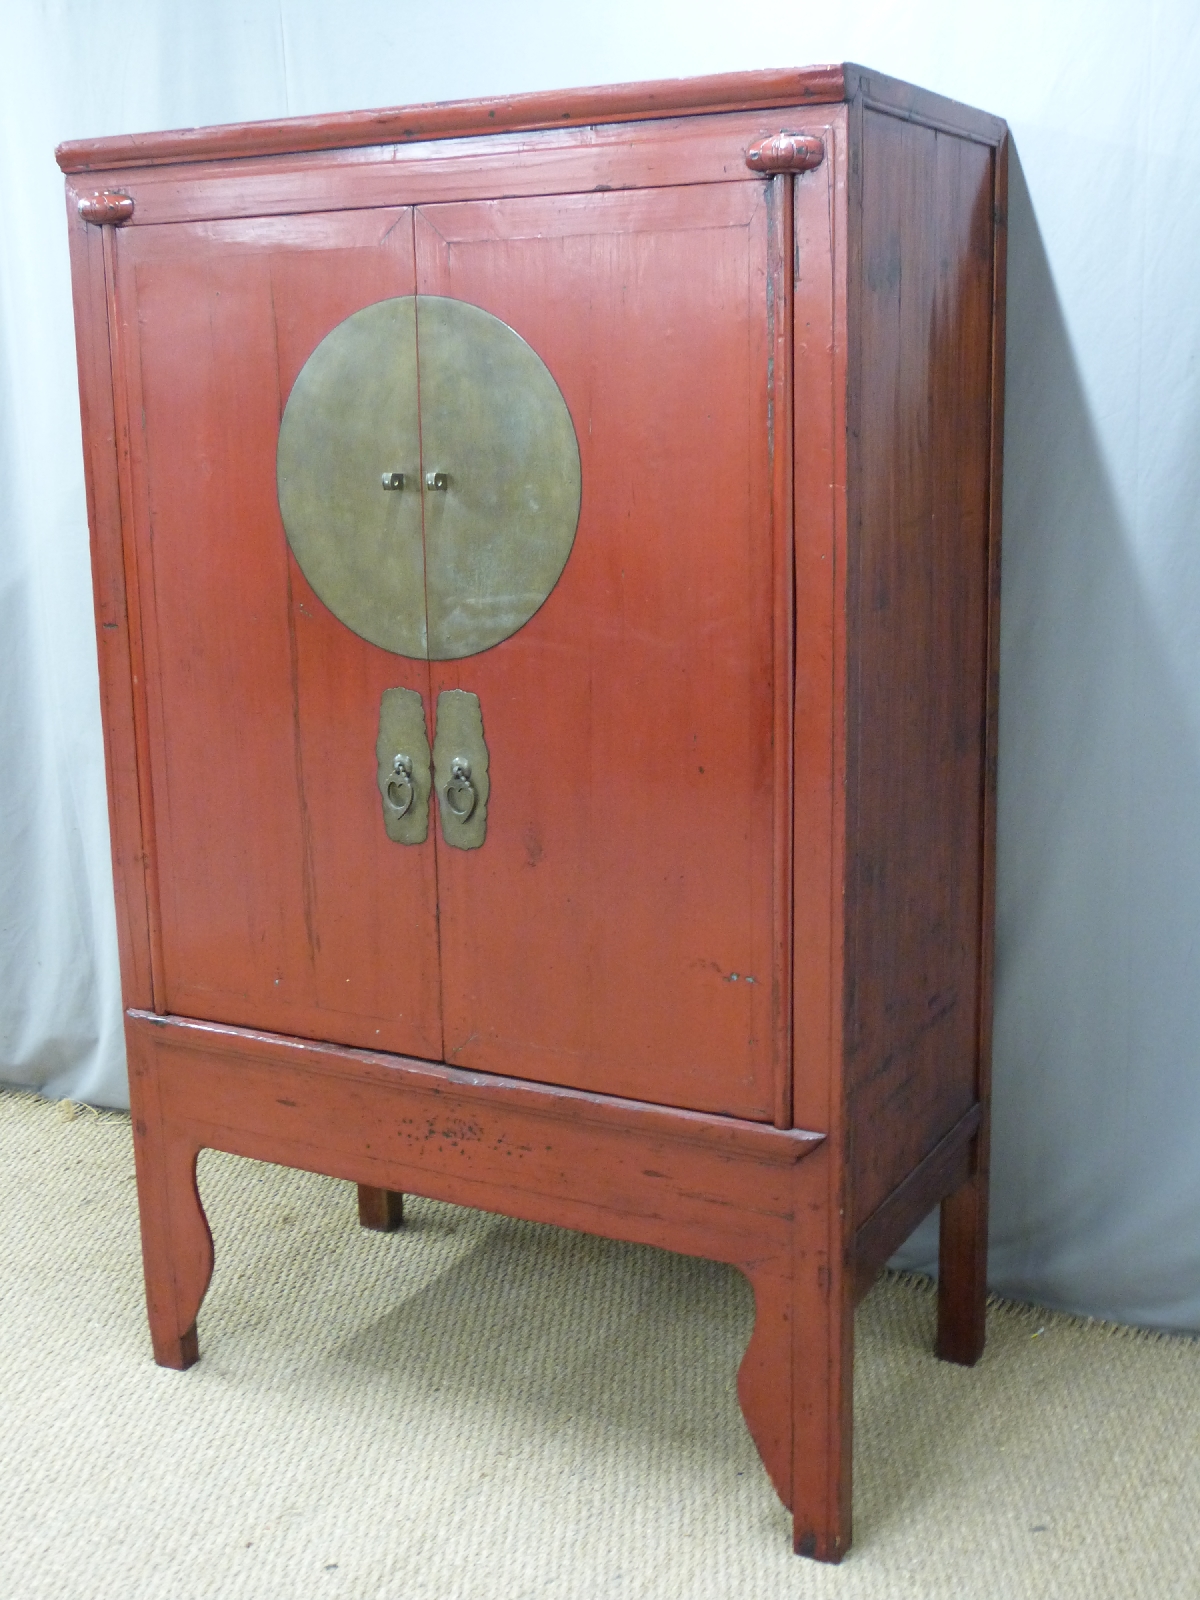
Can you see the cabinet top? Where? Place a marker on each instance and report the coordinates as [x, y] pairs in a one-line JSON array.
[[560, 108]]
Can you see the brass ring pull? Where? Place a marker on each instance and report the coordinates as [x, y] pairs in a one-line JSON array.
[[399, 792], [460, 791]]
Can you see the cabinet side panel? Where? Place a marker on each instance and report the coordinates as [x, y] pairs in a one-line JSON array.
[[918, 643]]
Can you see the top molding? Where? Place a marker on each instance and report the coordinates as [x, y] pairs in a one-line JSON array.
[[457, 119]]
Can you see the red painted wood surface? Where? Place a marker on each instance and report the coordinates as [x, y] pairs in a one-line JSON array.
[[114, 646], [607, 103], [781, 223], [645, 840], [553, 160], [284, 904], [103, 205], [698, 1184], [752, 730], [619, 102], [825, 230], [917, 615], [818, 461], [786, 152], [616, 933]]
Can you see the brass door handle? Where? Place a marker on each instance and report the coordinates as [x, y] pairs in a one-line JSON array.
[[399, 791], [460, 791]]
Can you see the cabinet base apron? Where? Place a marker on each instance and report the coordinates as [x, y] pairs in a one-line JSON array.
[[744, 1193]]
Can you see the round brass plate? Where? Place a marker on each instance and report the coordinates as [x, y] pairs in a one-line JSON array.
[[464, 553]]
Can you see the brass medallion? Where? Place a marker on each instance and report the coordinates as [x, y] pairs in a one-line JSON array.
[[433, 528]]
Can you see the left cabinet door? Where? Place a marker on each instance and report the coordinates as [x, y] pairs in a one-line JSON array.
[[284, 904]]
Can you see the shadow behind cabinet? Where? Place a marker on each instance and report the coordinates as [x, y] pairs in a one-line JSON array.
[[713, 969]]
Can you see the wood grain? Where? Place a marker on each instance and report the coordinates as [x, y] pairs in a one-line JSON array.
[[617, 931], [943, 1172], [608, 103], [781, 420], [963, 1243], [545, 161], [917, 610], [110, 594], [284, 903]]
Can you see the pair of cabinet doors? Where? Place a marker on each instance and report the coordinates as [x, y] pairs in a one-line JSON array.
[[619, 928]]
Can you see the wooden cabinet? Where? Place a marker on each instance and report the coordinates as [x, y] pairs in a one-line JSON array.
[[714, 972]]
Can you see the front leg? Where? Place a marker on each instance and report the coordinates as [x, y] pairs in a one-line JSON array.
[[177, 1247], [795, 1384]]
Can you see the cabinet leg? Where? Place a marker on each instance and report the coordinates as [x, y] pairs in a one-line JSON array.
[[962, 1264], [795, 1391], [380, 1209], [177, 1249], [823, 1408], [764, 1381]]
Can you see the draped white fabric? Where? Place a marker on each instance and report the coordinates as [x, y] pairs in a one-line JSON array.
[[1096, 1191]]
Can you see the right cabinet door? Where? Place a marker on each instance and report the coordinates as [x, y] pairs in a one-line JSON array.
[[615, 932]]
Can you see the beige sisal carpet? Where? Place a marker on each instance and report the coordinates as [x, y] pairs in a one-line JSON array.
[[492, 1410]]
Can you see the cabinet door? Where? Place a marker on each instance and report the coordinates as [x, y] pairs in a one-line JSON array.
[[615, 931], [283, 903]]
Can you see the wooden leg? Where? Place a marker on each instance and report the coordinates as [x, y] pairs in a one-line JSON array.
[[824, 1411], [764, 1382], [962, 1263], [380, 1209], [177, 1247], [795, 1385]]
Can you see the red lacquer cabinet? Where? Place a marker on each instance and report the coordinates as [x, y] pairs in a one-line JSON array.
[[546, 562]]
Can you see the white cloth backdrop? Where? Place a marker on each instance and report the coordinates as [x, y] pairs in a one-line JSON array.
[[1096, 1195]]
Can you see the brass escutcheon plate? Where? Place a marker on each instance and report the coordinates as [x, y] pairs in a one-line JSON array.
[[403, 772], [460, 769], [483, 477]]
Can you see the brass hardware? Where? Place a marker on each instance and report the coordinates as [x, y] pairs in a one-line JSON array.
[[393, 480], [786, 152], [398, 792], [492, 413], [460, 791], [491, 551], [402, 751], [353, 405], [460, 764], [106, 205]]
